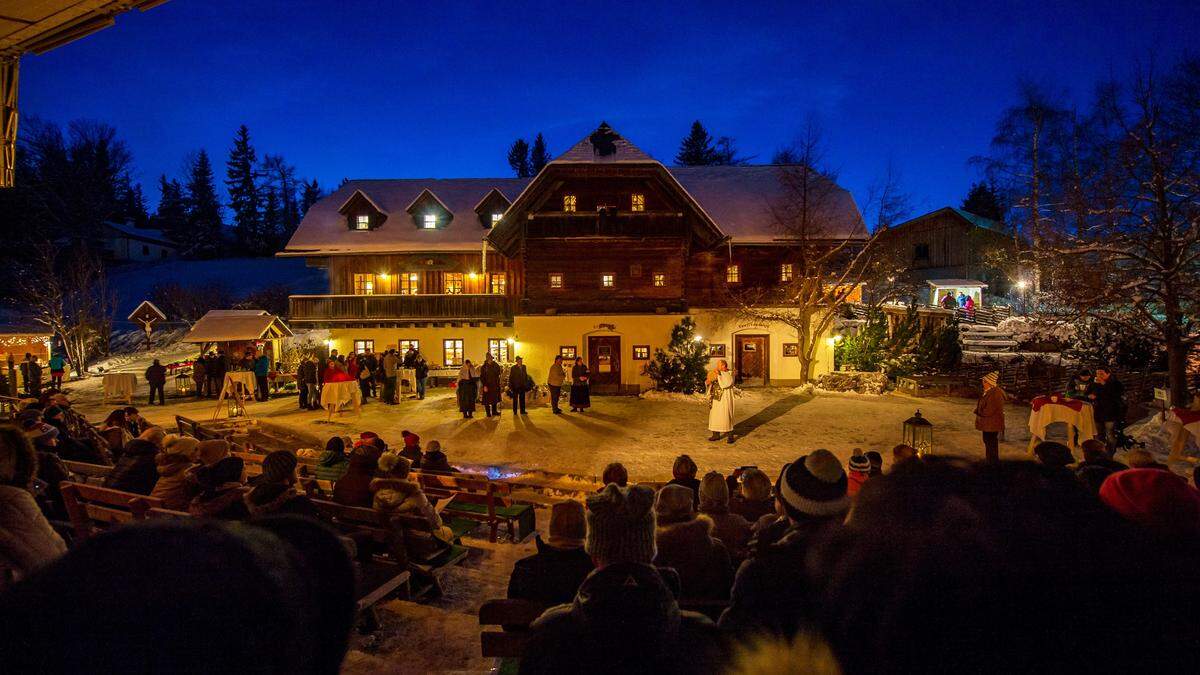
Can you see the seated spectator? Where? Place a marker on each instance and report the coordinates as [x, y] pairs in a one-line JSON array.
[[974, 545], [753, 498], [614, 473], [625, 617], [876, 461], [1142, 459], [435, 460], [221, 491], [373, 442], [354, 487], [1155, 499], [137, 423], [275, 491], [1053, 454], [730, 528], [859, 471], [553, 574], [393, 494], [211, 451], [412, 448], [333, 463], [1096, 465], [68, 446], [27, 541], [685, 544], [176, 486], [137, 469], [115, 431], [162, 597], [902, 452], [158, 437], [767, 596], [684, 471]]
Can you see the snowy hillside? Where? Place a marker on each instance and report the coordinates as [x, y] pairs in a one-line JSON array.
[[133, 283]]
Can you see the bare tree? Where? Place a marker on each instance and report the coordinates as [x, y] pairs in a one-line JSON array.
[[68, 293]]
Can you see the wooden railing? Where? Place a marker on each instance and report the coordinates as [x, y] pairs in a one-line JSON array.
[[385, 307]]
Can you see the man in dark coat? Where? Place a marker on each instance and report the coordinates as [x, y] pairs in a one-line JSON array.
[[518, 384], [156, 377], [489, 378], [626, 616], [1108, 406], [136, 471], [554, 573]]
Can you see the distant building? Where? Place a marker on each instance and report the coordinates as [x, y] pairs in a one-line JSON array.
[[950, 243], [123, 242]]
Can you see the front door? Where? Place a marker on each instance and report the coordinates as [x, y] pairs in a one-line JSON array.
[[604, 362], [752, 364]]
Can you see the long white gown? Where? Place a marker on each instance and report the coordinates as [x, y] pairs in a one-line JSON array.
[[720, 416]]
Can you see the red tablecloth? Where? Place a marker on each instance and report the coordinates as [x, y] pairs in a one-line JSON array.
[[1072, 403], [1187, 416]]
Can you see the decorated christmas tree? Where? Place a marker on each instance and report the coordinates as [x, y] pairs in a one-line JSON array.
[[682, 366]]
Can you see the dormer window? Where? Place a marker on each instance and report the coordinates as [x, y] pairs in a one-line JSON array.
[[362, 222], [491, 208], [569, 203], [362, 214], [429, 221], [428, 212], [637, 202], [496, 218]]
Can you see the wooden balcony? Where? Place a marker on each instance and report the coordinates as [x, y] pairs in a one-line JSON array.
[[336, 309]]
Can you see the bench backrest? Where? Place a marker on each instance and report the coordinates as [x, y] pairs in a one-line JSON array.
[[91, 505], [83, 472], [187, 427], [515, 615]]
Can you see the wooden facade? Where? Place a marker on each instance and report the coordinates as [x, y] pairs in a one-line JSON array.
[[947, 243]]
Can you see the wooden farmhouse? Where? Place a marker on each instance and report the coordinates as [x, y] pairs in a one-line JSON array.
[[950, 244], [598, 256]]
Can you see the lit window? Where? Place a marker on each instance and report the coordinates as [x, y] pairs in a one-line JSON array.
[[567, 352], [785, 272], [556, 280], [660, 279], [641, 352], [452, 352], [498, 284], [363, 346], [430, 221], [607, 280], [733, 274], [454, 283], [496, 218], [637, 203], [408, 283], [406, 344], [364, 284], [362, 222], [569, 203], [499, 349]]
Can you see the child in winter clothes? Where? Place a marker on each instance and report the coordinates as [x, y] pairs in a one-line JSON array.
[[412, 448], [221, 491], [354, 487], [393, 494], [175, 486], [275, 491], [860, 471], [333, 463]]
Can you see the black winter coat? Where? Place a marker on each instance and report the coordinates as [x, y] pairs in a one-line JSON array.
[[551, 576], [705, 572], [156, 374], [518, 379], [1109, 405], [136, 470]]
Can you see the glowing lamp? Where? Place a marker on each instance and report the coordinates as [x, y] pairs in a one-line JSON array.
[[1022, 284], [698, 338], [918, 433]]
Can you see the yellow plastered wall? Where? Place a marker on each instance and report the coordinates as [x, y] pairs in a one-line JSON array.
[[720, 328], [475, 339], [540, 337]]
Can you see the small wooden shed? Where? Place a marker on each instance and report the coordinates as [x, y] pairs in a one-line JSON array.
[[236, 330]]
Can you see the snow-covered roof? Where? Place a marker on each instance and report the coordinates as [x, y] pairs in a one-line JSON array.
[[229, 325], [956, 283], [140, 233]]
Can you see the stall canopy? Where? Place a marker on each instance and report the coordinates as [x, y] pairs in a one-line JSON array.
[[938, 288], [237, 325]]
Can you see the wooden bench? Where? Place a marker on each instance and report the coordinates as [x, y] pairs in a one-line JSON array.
[[476, 497], [190, 427], [515, 616], [83, 472], [93, 508]]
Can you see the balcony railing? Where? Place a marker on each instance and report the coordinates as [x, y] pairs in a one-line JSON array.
[[334, 308]]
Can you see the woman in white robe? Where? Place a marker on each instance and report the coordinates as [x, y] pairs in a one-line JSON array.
[[719, 384]]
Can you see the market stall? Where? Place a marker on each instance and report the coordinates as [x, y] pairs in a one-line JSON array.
[[1050, 409], [235, 332], [940, 288]]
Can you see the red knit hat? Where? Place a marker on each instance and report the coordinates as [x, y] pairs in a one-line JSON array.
[[1157, 499]]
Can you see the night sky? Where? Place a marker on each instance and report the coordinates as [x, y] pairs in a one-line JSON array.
[[387, 89]]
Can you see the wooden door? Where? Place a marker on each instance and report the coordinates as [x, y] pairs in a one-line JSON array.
[[604, 362], [752, 359]]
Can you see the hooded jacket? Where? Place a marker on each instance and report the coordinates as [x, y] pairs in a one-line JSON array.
[[395, 496], [354, 487], [136, 470], [269, 498], [624, 618], [436, 461], [26, 539], [705, 571], [331, 466], [551, 576], [175, 485]]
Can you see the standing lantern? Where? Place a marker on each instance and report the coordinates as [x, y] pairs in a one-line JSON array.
[[236, 407], [918, 433], [184, 384]]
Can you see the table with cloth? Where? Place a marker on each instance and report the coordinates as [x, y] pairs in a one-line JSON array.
[[1188, 420], [406, 382], [1075, 413], [120, 386], [334, 395]]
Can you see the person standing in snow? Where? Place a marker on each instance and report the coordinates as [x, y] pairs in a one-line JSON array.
[[58, 366], [720, 393], [518, 384], [490, 374], [554, 380], [262, 370], [390, 365], [581, 394], [467, 382], [199, 376], [156, 377], [989, 415]]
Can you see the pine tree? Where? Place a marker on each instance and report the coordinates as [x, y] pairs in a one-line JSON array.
[[272, 221], [984, 200], [244, 198], [539, 156], [135, 204], [279, 180], [310, 195], [205, 236], [518, 158], [682, 367], [696, 149], [172, 217]]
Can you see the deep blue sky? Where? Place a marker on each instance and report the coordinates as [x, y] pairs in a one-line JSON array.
[[358, 88]]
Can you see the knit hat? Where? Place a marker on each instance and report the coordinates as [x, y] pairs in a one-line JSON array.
[[336, 445], [226, 470], [714, 492], [411, 440], [992, 378], [568, 525], [433, 446], [394, 466], [39, 433], [158, 437], [1052, 453], [1156, 499], [673, 504], [211, 451], [875, 460], [278, 466], [181, 445], [860, 463], [813, 486], [621, 524], [29, 414], [756, 485], [51, 412]]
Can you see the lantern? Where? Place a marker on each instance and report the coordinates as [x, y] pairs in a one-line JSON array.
[[236, 409], [918, 433], [184, 384]]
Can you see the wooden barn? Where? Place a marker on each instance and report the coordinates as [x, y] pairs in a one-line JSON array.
[[950, 243]]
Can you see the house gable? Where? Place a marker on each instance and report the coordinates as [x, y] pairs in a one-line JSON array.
[[361, 212], [494, 202], [428, 212]]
